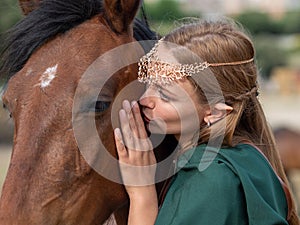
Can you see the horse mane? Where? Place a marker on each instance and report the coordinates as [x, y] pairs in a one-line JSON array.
[[53, 17]]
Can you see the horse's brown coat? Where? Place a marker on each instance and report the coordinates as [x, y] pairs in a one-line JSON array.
[[48, 181]]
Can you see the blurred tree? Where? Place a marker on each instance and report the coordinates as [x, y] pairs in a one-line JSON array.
[[267, 32], [291, 22], [164, 10], [9, 14], [257, 22], [269, 55]]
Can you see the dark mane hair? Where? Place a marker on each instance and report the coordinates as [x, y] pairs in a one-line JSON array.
[[53, 17]]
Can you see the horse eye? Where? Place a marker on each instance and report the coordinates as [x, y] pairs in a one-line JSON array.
[[101, 106]]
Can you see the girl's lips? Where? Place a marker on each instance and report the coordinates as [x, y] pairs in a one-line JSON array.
[[146, 119]]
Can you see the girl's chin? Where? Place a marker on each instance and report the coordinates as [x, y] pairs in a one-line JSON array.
[[153, 128]]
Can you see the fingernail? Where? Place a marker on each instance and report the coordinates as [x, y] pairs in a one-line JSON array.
[[126, 106], [134, 104], [118, 133], [122, 113]]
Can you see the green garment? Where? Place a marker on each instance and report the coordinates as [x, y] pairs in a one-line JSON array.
[[239, 187]]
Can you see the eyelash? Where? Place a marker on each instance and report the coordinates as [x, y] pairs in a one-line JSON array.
[[163, 96]]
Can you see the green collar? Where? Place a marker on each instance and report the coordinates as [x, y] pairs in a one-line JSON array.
[[201, 156]]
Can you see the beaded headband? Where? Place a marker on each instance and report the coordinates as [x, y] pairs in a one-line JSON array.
[[153, 70]]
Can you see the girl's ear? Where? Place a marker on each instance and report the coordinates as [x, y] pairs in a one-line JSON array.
[[28, 6], [217, 112]]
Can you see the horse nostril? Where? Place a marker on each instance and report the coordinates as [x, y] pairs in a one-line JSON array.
[[5, 107]]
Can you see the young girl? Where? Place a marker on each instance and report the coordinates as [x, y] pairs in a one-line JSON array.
[[202, 87]]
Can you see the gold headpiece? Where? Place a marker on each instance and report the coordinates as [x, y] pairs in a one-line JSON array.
[[153, 70]]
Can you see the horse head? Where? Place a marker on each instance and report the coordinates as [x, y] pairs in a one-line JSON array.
[[49, 181]]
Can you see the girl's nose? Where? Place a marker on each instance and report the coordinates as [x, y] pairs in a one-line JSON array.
[[148, 98]]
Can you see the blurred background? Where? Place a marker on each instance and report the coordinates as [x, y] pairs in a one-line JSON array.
[[274, 26]]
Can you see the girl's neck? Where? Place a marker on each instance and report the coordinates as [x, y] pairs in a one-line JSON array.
[[187, 142]]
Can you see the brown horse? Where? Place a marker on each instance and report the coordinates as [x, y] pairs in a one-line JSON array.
[[48, 181], [288, 142]]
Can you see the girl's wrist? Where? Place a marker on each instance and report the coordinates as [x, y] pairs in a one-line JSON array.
[[143, 210], [143, 194]]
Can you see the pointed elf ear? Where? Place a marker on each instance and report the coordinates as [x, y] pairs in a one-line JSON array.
[[120, 14], [27, 6], [218, 112]]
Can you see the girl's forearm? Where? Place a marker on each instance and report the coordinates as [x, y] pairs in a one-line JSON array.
[[143, 208]]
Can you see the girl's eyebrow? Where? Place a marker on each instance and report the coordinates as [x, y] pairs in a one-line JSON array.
[[164, 89]]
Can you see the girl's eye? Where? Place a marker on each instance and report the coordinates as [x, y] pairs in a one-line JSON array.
[[163, 96]]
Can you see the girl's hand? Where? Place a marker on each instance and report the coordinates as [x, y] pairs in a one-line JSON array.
[[137, 164], [136, 157]]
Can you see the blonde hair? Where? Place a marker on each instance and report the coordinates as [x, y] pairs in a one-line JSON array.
[[220, 41]]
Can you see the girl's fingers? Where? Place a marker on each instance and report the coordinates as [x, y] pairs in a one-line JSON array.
[[137, 160], [122, 151], [126, 130], [131, 119], [139, 123], [133, 129]]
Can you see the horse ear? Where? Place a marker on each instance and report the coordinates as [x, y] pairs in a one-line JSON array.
[[120, 13], [28, 6]]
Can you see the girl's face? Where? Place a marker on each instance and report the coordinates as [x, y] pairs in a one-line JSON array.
[[172, 109]]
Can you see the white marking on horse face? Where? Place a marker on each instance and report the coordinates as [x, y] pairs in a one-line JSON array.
[[111, 220], [28, 72], [48, 76]]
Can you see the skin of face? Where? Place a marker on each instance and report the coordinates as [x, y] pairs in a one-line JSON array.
[[172, 109]]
